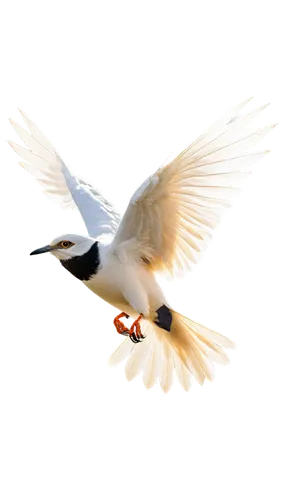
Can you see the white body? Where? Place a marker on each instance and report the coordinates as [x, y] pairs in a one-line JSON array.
[[165, 229], [129, 286]]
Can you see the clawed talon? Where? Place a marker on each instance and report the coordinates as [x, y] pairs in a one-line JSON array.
[[134, 333], [135, 338], [120, 327]]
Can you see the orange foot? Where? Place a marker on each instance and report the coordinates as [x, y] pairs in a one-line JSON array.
[[120, 327], [135, 331]]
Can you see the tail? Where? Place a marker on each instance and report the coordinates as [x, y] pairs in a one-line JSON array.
[[189, 349]]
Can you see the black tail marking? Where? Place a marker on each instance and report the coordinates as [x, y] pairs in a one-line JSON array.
[[164, 318]]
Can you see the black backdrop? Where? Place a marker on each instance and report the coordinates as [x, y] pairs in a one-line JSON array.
[[52, 338]]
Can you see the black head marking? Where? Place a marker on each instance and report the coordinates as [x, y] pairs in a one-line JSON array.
[[83, 266]]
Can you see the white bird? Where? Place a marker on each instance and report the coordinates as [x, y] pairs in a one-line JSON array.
[[166, 227]]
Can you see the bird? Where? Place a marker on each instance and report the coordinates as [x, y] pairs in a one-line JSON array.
[[164, 231]]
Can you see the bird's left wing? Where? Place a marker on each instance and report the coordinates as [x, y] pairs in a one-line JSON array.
[[44, 163], [171, 217]]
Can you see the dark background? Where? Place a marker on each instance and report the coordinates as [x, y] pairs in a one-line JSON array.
[[53, 339]]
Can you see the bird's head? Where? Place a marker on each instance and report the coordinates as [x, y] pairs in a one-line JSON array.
[[78, 254], [65, 246]]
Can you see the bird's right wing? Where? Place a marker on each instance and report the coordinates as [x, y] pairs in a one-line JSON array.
[[171, 217], [59, 184]]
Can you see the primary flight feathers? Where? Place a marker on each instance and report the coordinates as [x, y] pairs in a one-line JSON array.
[[60, 184], [175, 211], [171, 217]]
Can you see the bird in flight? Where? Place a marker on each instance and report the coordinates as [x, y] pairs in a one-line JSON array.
[[167, 226]]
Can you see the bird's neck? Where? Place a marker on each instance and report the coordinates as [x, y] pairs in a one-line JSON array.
[[84, 266]]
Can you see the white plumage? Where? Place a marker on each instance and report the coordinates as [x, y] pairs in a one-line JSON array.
[[60, 185], [175, 210], [165, 229]]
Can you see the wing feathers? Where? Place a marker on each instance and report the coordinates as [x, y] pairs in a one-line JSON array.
[[176, 209], [59, 184]]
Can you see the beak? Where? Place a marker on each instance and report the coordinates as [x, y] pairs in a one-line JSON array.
[[45, 249]]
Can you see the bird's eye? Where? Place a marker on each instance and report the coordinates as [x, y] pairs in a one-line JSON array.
[[65, 244]]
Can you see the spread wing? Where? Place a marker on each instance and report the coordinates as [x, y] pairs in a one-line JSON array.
[[59, 184], [171, 217]]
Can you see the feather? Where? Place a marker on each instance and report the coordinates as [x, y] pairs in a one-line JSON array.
[[60, 185], [192, 191]]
